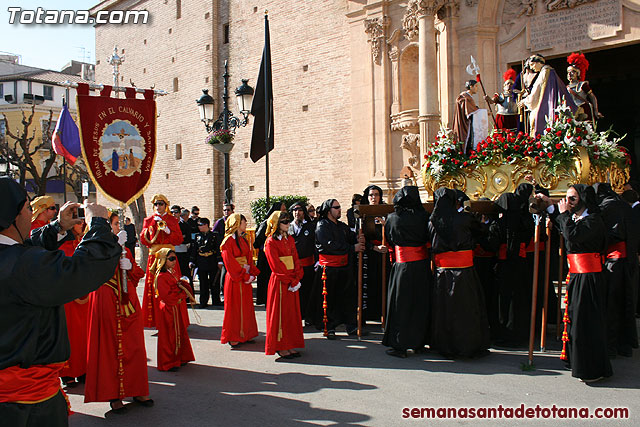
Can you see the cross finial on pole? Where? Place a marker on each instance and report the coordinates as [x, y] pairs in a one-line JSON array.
[[115, 61]]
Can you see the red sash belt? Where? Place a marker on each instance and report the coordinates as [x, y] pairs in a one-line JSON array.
[[410, 253], [459, 259], [617, 250], [334, 260], [531, 247], [307, 262], [479, 252], [584, 263], [502, 252], [32, 385]]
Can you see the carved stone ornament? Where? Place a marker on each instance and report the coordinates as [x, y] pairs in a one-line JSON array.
[[411, 143], [514, 9], [375, 29], [416, 9], [471, 3], [563, 4]]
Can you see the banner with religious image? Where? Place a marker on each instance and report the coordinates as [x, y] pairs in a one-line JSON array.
[[118, 141]]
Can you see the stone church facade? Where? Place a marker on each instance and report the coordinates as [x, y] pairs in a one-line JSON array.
[[360, 86]]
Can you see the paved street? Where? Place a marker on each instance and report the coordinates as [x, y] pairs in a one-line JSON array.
[[347, 382]]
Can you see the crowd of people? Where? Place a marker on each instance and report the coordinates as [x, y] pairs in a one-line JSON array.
[[458, 282]]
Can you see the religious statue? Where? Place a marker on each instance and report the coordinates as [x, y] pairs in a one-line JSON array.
[[470, 123], [580, 90], [507, 114], [547, 92]]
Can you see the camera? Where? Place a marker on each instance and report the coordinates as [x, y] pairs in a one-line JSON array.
[[79, 213]]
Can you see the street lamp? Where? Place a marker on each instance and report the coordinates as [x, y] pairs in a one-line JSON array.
[[226, 120]]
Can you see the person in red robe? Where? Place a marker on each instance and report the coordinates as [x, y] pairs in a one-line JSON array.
[[174, 347], [77, 316], [117, 359], [44, 210], [160, 230], [239, 324], [284, 328]]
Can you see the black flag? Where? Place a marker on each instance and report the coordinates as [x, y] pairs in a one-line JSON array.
[[262, 106]]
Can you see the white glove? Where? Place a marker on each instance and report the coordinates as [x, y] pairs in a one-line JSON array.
[[295, 288], [192, 265], [185, 279], [167, 230], [125, 264], [247, 268], [157, 218], [251, 279], [122, 237]]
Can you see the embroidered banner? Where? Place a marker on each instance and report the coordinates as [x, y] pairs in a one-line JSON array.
[[118, 141]]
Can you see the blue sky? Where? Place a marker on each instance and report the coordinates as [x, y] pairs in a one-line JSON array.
[[46, 45]]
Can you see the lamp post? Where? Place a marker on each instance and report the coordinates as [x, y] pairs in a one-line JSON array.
[[226, 122]]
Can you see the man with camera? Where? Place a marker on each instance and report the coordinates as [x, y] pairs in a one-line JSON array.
[[35, 282]]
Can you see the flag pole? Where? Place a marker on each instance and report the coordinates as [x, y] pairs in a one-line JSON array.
[[267, 111]]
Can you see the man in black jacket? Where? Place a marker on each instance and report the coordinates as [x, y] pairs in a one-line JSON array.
[[35, 283], [205, 255]]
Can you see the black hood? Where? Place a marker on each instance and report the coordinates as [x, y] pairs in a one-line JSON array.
[[324, 208], [302, 206], [408, 198], [444, 211], [604, 192], [13, 198], [588, 196]]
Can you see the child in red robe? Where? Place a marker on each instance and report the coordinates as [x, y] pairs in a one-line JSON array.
[[77, 314], [239, 324], [174, 347], [284, 328], [117, 359]]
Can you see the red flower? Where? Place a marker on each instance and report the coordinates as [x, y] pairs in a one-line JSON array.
[[538, 145], [538, 136], [578, 138], [425, 157], [537, 158], [506, 146], [558, 146], [509, 158], [428, 165], [516, 147], [455, 161], [548, 130], [549, 154], [484, 153], [595, 156], [429, 153], [444, 161], [559, 133], [568, 120], [466, 163], [460, 153], [449, 150]]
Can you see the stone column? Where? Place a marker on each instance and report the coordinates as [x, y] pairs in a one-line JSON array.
[[419, 19]]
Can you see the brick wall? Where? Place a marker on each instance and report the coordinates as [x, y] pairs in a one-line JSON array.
[[311, 62]]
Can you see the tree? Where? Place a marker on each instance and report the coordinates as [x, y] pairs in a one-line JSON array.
[[20, 148], [75, 176]]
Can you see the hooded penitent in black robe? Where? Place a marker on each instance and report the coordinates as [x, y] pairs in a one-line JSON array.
[[484, 261], [459, 326], [262, 281], [586, 349], [512, 231], [372, 267], [35, 283], [305, 238], [410, 284], [620, 269], [335, 239]]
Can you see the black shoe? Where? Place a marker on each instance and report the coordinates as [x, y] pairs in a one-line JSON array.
[[625, 352], [397, 353], [285, 356], [120, 410], [203, 306], [174, 369], [82, 378], [354, 332], [146, 403], [69, 382], [296, 354], [331, 335]]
